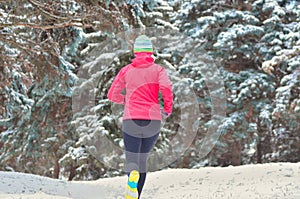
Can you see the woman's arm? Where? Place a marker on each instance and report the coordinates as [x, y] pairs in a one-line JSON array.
[[165, 87], [114, 93]]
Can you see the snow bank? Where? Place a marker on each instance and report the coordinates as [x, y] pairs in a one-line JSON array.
[[274, 180]]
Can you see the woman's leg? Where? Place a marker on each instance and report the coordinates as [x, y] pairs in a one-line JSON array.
[[132, 150], [137, 151], [146, 147], [139, 138]]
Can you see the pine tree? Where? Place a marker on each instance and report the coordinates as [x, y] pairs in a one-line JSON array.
[[239, 36], [281, 60], [101, 64], [42, 42]]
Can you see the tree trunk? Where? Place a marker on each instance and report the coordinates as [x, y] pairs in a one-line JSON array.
[[56, 169], [236, 153], [72, 173], [259, 152]]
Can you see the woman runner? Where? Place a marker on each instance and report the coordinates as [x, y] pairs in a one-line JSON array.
[[142, 81]]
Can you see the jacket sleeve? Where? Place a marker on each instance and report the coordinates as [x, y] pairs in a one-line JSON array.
[[165, 87], [114, 93]]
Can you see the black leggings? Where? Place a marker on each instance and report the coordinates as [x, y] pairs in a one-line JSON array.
[[139, 139]]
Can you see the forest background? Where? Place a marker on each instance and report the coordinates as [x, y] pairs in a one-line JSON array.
[[59, 57]]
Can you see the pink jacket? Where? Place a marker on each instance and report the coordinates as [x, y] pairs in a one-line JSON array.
[[142, 81]]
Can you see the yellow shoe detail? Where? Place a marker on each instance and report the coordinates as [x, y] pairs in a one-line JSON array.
[[131, 188], [129, 197], [134, 176]]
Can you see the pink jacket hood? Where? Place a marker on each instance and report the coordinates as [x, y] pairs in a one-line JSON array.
[[142, 60], [142, 80]]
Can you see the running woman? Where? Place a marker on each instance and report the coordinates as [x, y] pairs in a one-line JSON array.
[[142, 81]]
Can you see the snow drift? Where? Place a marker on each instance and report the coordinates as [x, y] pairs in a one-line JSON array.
[[273, 180]]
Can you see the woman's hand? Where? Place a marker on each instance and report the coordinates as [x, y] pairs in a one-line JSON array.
[[164, 114]]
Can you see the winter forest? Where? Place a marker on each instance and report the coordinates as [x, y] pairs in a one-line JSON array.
[[234, 65]]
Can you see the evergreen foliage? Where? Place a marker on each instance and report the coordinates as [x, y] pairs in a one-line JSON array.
[[60, 57]]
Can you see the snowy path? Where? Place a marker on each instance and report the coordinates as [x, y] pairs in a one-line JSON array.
[[280, 180]]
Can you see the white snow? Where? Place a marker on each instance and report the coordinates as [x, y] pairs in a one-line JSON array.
[[154, 14], [164, 8], [272, 180], [7, 132], [166, 24]]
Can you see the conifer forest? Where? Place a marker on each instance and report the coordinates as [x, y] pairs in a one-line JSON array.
[[234, 66]]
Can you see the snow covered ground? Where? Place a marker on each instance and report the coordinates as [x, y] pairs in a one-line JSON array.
[[274, 180]]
